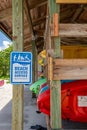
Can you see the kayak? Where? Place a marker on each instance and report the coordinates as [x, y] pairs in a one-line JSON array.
[[36, 86], [73, 100], [1, 83]]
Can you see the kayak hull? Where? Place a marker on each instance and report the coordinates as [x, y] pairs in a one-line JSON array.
[[73, 101]]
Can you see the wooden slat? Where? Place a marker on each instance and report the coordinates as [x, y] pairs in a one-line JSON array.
[[71, 1], [70, 62], [70, 73], [71, 30], [70, 69]]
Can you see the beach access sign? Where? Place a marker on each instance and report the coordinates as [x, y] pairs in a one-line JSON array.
[[21, 68]]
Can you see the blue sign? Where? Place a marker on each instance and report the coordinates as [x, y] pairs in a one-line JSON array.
[[21, 68]]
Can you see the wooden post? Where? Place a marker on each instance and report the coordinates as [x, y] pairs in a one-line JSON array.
[[55, 86], [33, 62], [27, 10], [17, 101], [36, 65]]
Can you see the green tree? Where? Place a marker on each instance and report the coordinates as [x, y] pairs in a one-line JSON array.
[[5, 61]]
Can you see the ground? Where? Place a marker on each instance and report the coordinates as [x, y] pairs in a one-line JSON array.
[[31, 118]]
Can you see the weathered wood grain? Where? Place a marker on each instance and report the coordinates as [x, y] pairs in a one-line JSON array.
[[69, 69], [18, 90]]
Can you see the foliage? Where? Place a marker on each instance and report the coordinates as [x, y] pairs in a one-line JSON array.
[[5, 61]]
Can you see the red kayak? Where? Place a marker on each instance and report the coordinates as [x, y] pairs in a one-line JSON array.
[[73, 102], [1, 83]]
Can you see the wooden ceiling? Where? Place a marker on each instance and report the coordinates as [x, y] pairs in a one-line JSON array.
[[37, 10]]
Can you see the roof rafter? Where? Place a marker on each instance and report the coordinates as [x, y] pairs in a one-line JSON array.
[[6, 32], [39, 20], [38, 3], [27, 11], [4, 14]]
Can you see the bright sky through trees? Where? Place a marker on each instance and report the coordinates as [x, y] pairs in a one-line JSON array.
[[4, 41]]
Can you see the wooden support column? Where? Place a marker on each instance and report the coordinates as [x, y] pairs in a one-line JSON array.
[[34, 58], [33, 63], [17, 101], [27, 10], [36, 65], [55, 86]]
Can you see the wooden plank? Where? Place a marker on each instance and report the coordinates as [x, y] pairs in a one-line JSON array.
[[74, 52], [17, 101], [69, 69], [64, 73], [50, 68], [71, 1], [70, 62], [71, 30]]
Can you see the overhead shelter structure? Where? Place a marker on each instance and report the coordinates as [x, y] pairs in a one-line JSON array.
[[54, 25]]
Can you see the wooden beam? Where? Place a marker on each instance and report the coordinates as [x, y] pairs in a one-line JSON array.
[[71, 1], [69, 69], [18, 99], [27, 12], [71, 30], [4, 14], [27, 47], [77, 13], [28, 36], [27, 44]]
